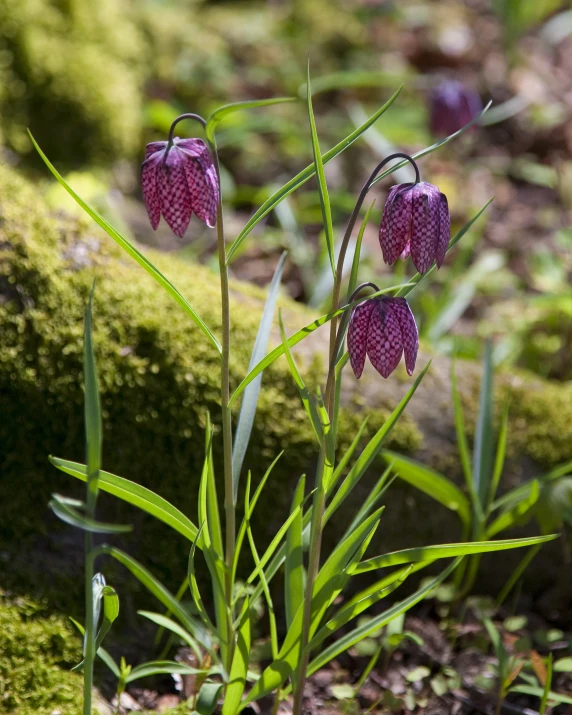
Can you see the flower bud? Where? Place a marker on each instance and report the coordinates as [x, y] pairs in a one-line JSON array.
[[452, 106]]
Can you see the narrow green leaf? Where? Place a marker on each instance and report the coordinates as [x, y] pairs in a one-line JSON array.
[[483, 452], [239, 668], [432, 483], [309, 404], [208, 698], [294, 563], [132, 251], [501, 454], [110, 603], [222, 112], [251, 393], [498, 646], [379, 489], [295, 339], [212, 510], [433, 147], [372, 450], [512, 516], [362, 631], [101, 652], [92, 409], [445, 551], [344, 461], [110, 613], [547, 686], [321, 177], [304, 175], [134, 494], [352, 284], [418, 278], [175, 628], [161, 593], [325, 589], [539, 693], [67, 513], [462, 442], [162, 667], [359, 604], [195, 593], [263, 581], [242, 529]]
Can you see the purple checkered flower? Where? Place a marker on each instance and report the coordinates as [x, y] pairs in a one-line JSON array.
[[415, 221], [384, 329], [452, 106], [179, 181]]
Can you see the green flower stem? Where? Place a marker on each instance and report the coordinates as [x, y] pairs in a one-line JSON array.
[[329, 396], [313, 566], [89, 636], [229, 507]]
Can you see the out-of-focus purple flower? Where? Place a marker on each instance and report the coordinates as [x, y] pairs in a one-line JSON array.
[[178, 182], [415, 221], [384, 329], [452, 106]]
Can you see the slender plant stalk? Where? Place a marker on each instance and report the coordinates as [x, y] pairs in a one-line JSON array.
[[517, 573], [318, 508], [229, 507], [89, 636], [329, 396], [320, 495]]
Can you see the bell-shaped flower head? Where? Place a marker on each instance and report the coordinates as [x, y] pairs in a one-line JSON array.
[[451, 107], [383, 329], [179, 180], [415, 222]]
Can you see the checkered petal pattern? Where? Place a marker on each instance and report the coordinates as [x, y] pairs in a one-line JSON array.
[[444, 230], [395, 229], [415, 222], [409, 335], [384, 341], [383, 329], [424, 226], [179, 184], [357, 335]]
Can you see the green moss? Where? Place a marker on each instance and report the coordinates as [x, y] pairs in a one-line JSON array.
[[36, 648], [72, 72]]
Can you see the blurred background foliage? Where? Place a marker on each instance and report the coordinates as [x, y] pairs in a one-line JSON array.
[[95, 81]]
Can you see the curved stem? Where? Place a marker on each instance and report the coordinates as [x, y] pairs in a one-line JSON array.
[[187, 115], [342, 256], [230, 524]]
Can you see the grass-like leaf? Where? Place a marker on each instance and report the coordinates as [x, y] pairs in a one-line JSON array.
[[371, 450], [239, 667], [129, 248], [175, 628], [483, 451], [432, 483], [321, 177], [553, 697], [294, 563], [252, 391], [445, 551], [219, 114], [134, 494], [512, 516], [92, 406], [66, 512], [162, 667], [304, 175]]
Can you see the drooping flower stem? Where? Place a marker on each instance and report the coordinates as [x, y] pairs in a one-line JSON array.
[[320, 495], [329, 396], [229, 510], [187, 115]]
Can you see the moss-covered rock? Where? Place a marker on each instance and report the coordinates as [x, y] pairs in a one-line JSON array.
[[36, 647], [71, 72]]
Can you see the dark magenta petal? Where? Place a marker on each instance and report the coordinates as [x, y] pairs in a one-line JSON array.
[[444, 230], [357, 335], [150, 189], [409, 334], [395, 227], [424, 225], [202, 180], [452, 106], [173, 192], [384, 341], [154, 147]]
